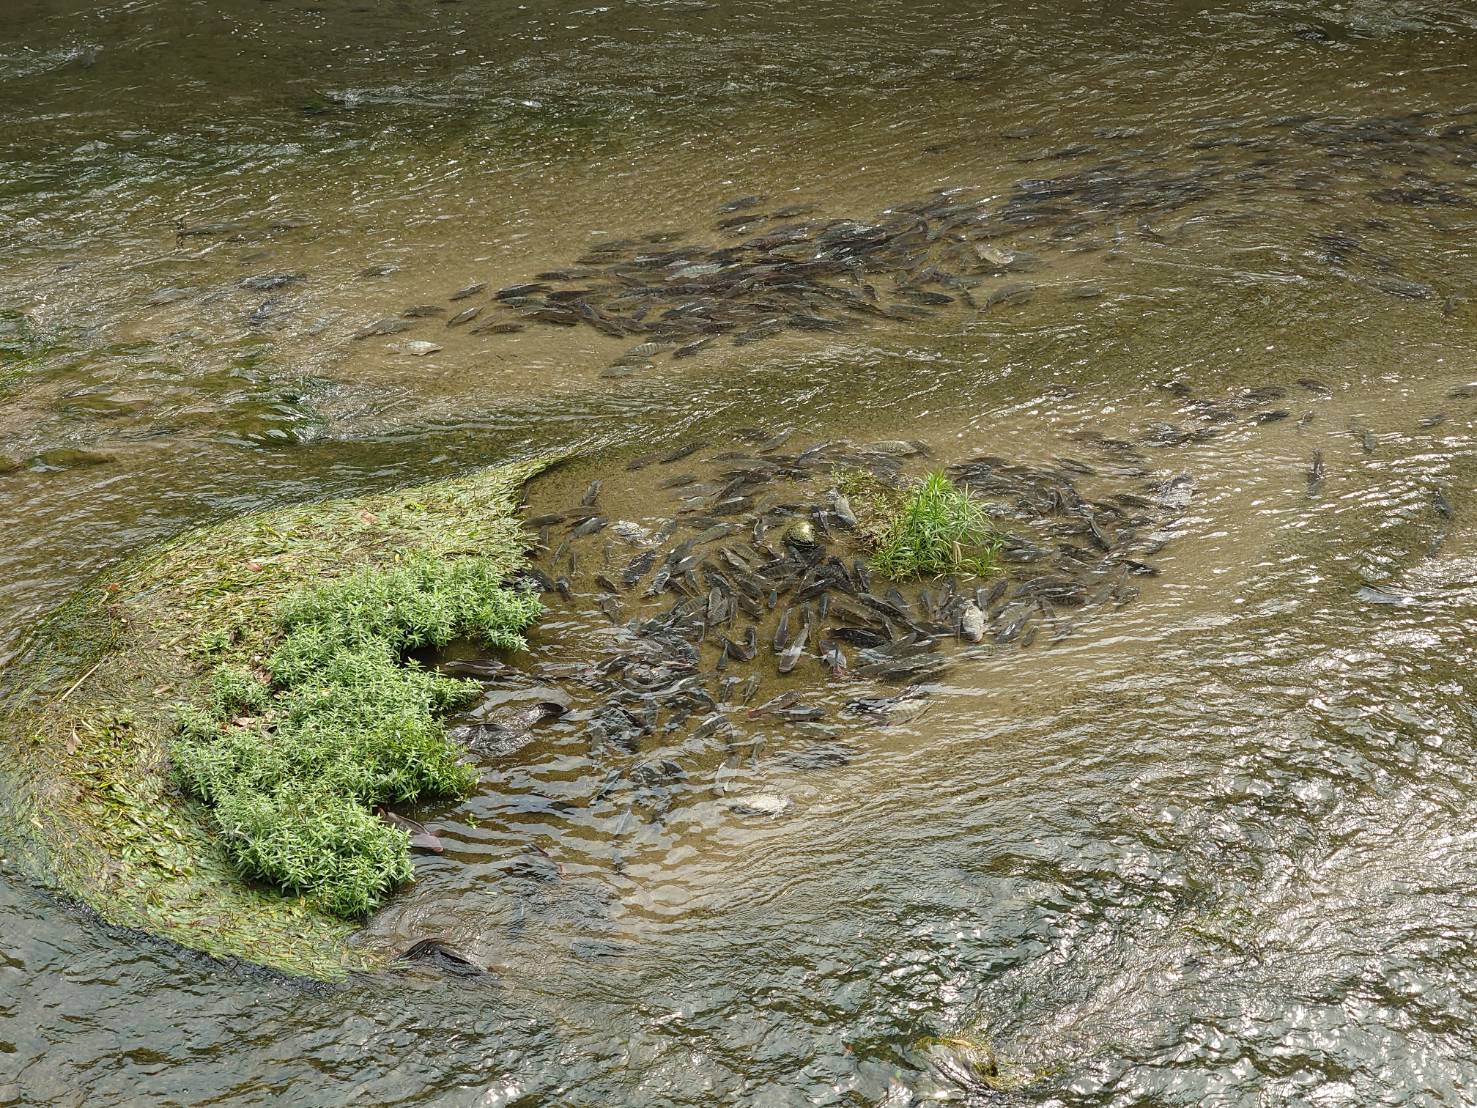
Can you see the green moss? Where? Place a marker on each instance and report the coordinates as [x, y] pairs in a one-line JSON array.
[[249, 625], [347, 724], [931, 529]]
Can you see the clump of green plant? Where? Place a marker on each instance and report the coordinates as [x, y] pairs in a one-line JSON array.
[[931, 529], [293, 761]]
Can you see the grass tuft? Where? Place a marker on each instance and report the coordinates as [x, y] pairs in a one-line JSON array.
[[933, 529], [293, 769]]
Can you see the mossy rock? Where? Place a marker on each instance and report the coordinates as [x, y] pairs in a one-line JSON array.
[[91, 708]]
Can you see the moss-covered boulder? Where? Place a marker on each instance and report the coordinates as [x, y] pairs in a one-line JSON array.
[[199, 737]]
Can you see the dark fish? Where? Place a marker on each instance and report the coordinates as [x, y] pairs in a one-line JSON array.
[[717, 607], [636, 568], [1010, 294], [709, 726], [902, 669], [858, 636], [801, 713], [759, 331], [778, 703], [530, 288], [791, 654], [835, 659], [443, 956], [464, 316], [383, 327], [781, 632], [1405, 290], [1013, 627], [658, 581], [1441, 502], [1376, 594], [1315, 471], [739, 652], [557, 316], [267, 281], [591, 494], [919, 296], [676, 455], [717, 531], [421, 837], [588, 527], [742, 203], [470, 290]]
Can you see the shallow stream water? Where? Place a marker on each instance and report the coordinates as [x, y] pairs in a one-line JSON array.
[[1215, 846]]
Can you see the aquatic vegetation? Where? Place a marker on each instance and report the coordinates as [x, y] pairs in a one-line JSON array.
[[293, 770], [326, 596], [935, 528]]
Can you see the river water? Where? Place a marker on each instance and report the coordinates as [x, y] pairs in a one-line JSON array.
[[1214, 847]]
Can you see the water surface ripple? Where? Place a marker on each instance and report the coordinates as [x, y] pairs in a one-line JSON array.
[[1214, 847]]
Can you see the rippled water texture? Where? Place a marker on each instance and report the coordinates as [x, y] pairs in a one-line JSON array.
[[1213, 847]]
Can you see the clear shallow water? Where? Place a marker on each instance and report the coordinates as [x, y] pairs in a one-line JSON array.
[[1211, 849]]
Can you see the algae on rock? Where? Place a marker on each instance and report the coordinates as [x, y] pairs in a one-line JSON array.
[[204, 620]]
